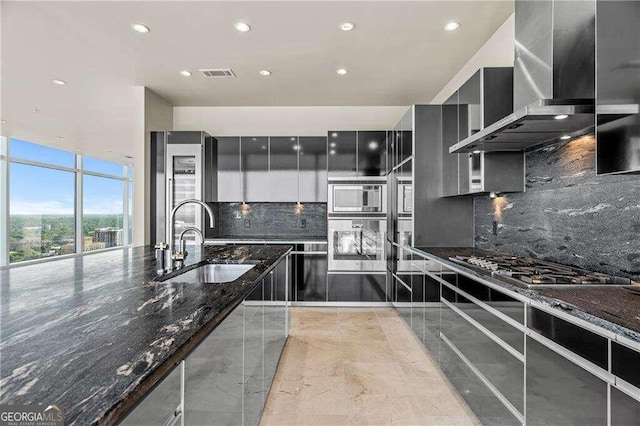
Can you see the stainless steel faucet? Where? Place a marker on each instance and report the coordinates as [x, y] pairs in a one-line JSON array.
[[171, 247], [181, 254]]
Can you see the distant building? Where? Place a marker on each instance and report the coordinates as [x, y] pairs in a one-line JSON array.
[[111, 237], [89, 245]]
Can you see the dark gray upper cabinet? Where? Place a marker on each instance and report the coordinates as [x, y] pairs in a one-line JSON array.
[[229, 176], [618, 83], [372, 155], [450, 166], [343, 149], [481, 101], [312, 169], [254, 165], [283, 174]]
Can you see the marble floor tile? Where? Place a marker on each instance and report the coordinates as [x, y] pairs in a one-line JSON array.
[[356, 366]]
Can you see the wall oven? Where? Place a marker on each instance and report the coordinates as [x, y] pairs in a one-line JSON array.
[[357, 244], [357, 196]]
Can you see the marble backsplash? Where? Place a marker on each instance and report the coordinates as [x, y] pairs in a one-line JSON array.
[[264, 220], [568, 213]]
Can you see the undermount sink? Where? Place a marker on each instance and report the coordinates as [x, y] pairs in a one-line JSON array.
[[212, 273]]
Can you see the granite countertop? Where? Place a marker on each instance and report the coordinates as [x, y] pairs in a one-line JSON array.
[[93, 334], [616, 309]]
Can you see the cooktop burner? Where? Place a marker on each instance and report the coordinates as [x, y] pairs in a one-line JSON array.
[[534, 272]]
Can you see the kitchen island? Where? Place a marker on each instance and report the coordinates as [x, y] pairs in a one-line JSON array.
[[94, 334]]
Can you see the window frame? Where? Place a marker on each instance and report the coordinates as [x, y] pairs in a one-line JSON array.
[[126, 179]]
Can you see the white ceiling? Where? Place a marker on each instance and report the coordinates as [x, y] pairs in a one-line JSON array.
[[398, 54]]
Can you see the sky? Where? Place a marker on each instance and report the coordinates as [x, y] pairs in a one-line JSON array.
[[42, 191]]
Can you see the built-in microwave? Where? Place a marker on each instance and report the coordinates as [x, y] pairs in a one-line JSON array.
[[357, 197], [405, 197]]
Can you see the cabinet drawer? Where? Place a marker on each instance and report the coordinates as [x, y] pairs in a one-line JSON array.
[[502, 330], [509, 306], [357, 287], [624, 409], [625, 363], [588, 345], [504, 371]]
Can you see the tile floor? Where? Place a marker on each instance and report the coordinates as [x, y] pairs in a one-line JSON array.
[[359, 367]]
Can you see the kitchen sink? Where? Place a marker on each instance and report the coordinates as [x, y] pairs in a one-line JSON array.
[[212, 273]]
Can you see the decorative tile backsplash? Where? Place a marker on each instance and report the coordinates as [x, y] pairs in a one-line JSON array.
[[568, 213], [264, 220]]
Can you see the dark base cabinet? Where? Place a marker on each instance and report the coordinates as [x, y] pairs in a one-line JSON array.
[[310, 273], [357, 288], [624, 409], [561, 393]]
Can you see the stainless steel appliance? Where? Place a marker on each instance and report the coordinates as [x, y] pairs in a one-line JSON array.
[[535, 272], [357, 245], [405, 197], [355, 196], [183, 167]]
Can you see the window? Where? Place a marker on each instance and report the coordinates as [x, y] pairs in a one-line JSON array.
[[41, 190], [41, 212]]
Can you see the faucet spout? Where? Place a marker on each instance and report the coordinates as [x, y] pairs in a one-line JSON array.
[[212, 220]]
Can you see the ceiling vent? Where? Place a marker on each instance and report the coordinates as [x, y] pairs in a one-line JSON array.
[[218, 73]]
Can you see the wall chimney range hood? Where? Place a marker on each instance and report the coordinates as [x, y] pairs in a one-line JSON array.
[[554, 80]]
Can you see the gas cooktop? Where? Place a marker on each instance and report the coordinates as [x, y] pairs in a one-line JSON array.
[[534, 272]]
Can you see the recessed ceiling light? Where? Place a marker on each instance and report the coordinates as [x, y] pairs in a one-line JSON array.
[[334, 135], [59, 82], [373, 145], [452, 26], [565, 137], [561, 116], [477, 151], [293, 138], [140, 28], [60, 138], [264, 72], [3, 121], [342, 71], [347, 26], [36, 110], [243, 27], [185, 73], [128, 156], [332, 152], [333, 145]]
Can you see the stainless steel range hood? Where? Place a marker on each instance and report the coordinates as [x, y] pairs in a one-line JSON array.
[[554, 80], [544, 121]]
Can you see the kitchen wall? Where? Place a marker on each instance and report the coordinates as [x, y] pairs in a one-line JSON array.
[[567, 213], [272, 220], [285, 121]]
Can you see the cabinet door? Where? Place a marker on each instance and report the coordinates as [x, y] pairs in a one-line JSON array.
[[625, 410], [214, 380], [284, 169], [406, 148], [311, 275], [160, 405], [312, 170], [372, 155], [254, 165], [561, 393], [255, 378], [450, 163], [342, 153], [356, 287], [229, 176]]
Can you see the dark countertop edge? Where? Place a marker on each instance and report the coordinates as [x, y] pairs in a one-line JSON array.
[[120, 410], [534, 298]]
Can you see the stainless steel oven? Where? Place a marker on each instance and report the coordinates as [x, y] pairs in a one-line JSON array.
[[357, 245], [357, 197], [405, 197], [403, 257]]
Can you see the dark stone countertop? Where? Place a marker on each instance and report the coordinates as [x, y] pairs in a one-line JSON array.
[[616, 309], [93, 334]]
